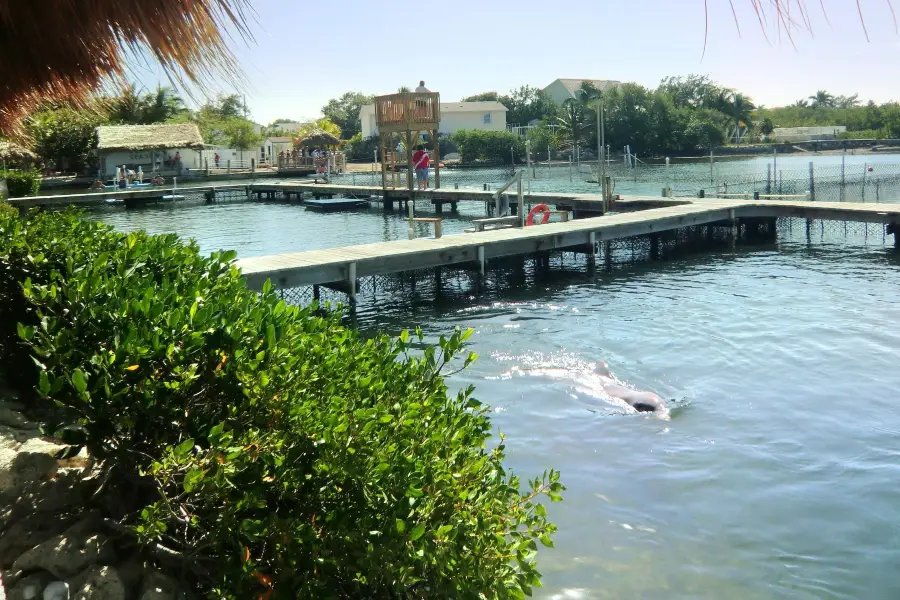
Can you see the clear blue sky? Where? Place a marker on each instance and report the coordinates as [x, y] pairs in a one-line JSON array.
[[307, 52]]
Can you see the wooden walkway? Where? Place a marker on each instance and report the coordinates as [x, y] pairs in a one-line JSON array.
[[343, 266]]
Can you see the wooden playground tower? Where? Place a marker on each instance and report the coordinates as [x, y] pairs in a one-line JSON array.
[[409, 115]]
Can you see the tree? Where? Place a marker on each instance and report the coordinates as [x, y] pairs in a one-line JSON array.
[[403, 89], [526, 105], [822, 99], [571, 122], [240, 134], [767, 127], [344, 112], [162, 105], [694, 91], [65, 135], [801, 103], [847, 101], [222, 121], [132, 107], [482, 97]]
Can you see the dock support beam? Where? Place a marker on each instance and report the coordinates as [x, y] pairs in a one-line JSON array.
[[592, 241], [481, 260], [351, 282], [735, 228]]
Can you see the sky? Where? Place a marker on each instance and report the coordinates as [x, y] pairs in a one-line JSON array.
[[304, 53]]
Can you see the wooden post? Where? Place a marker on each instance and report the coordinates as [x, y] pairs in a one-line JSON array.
[[229, 165], [383, 165], [592, 241], [351, 281], [410, 174], [481, 260], [437, 160], [438, 229], [253, 165]]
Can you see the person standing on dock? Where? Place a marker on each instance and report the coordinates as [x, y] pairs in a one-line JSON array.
[[421, 161]]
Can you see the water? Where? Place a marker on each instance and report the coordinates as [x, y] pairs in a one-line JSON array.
[[776, 475]]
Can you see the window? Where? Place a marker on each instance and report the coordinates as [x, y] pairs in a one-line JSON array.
[[487, 118]]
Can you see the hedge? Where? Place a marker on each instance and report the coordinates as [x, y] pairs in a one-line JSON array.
[[488, 146], [263, 450], [22, 183]]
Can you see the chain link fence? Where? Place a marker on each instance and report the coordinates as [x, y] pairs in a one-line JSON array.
[[876, 182]]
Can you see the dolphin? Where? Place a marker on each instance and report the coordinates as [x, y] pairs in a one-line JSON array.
[[639, 400]]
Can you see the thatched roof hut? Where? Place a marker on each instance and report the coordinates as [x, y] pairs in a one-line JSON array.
[[16, 154], [148, 137], [318, 137], [65, 51]]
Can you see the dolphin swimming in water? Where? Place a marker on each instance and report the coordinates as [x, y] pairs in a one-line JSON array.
[[639, 400]]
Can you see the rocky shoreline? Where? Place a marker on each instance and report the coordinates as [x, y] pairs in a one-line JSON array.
[[53, 544]]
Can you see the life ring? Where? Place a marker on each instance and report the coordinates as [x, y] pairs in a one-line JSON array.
[[540, 208]]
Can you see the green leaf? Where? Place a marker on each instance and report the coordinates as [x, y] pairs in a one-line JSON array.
[[417, 532], [404, 336], [545, 540], [386, 418], [79, 381], [443, 530], [44, 383], [401, 526], [412, 492], [191, 479], [26, 333]]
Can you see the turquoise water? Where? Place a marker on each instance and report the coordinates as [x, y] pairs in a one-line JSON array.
[[776, 475]]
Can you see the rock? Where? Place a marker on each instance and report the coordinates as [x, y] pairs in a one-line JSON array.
[[66, 554], [27, 532], [32, 461], [58, 590], [68, 489], [103, 583], [13, 418], [30, 588]]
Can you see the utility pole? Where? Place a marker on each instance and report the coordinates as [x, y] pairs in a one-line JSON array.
[[601, 146]]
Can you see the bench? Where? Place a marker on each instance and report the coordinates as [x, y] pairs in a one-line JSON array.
[[511, 221], [435, 220]]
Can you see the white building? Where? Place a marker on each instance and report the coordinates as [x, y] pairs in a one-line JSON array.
[[150, 147], [273, 145], [563, 89], [486, 116]]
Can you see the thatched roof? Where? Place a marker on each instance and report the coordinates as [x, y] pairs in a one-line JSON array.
[[65, 51], [148, 137], [15, 153], [318, 137]]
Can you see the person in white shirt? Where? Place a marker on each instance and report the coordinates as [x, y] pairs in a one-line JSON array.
[[422, 89]]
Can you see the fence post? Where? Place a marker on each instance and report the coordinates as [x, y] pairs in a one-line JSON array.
[[253, 165], [812, 182], [768, 179], [229, 165], [206, 165]]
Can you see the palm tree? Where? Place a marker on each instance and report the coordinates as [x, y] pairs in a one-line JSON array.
[[822, 99], [127, 108], [801, 103], [847, 101], [571, 121], [162, 105], [403, 89]]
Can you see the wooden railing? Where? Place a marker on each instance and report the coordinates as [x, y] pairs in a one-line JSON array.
[[407, 110]]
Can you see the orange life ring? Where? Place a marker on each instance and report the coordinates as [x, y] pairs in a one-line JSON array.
[[540, 208]]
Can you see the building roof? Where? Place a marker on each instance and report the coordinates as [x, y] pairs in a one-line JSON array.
[[488, 105], [14, 152], [574, 85], [280, 139], [148, 137]]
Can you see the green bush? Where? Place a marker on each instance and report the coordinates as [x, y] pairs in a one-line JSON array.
[[255, 446], [22, 183], [488, 146]]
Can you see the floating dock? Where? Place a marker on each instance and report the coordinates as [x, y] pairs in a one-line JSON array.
[[341, 267]]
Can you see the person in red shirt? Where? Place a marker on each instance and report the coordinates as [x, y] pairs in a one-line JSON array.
[[421, 161]]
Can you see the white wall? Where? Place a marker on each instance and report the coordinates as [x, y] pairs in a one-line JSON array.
[[450, 121], [455, 120], [190, 159], [557, 92]]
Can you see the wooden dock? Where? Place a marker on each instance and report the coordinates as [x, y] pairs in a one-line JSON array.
[[581, 204], [341, 267]]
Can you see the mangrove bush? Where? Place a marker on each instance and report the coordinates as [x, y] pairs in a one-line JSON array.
[[257, 448]]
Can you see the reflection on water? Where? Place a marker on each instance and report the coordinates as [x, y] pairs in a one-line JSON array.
[[777, 480]]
